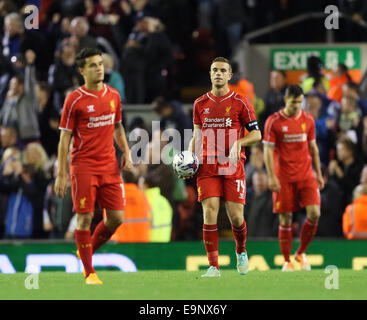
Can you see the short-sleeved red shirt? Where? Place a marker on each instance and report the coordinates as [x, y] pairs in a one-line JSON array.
[[290, 137], [223, 120], [91, 116]]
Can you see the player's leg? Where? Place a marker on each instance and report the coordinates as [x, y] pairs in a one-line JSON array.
[[106, 228], [235, 212], [284, 205], [209, 192], [210, 230], [308, 232], [84, 195], [111, 195], [310, 199], [285, 238]]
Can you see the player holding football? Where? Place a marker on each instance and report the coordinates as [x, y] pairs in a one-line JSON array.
[[220, 118], [92, 116], [290, 151]]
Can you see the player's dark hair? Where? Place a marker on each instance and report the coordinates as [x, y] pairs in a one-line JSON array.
[[84, 54], [222, 59], [294, 91]]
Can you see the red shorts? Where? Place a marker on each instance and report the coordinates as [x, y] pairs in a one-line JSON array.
[[296, 195], [230, 189], [107, 189]]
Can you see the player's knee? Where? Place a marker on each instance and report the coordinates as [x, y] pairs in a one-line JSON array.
[[285, 219], [84, 221], [314, 214]]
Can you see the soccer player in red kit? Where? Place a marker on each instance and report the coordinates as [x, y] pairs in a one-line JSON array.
[[220, 118], [92, 117], [290, 151]]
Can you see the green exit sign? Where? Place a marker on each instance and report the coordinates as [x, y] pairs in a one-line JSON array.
[[296, 59]]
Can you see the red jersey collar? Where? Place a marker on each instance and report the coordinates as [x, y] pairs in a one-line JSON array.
[[96, 94], [213, 97], [282, 113]]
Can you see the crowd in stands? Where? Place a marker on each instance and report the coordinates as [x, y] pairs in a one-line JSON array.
[[150, 49]]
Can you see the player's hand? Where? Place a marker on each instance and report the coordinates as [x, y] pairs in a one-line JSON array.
[[235, 153], [126, 163], [274, 184], [320, 182], [60, 186]]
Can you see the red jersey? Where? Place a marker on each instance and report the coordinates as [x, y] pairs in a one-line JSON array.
[[290, 137], [91, 116], [223, 120]]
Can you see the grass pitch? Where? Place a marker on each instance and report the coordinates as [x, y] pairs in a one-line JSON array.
[[183, 285]]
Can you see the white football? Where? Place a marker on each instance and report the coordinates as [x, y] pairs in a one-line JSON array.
[[185, 163]]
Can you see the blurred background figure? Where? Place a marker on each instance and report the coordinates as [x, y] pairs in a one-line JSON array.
[[261, 222], [314, 73], [137, 217], [112, 76], [161, 210], [355, 216]]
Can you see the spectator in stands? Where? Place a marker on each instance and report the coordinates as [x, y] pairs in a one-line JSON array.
[[137, 216], [240, 84], [340, 77], [228, 18], [17, 40], [351, 90], [161, 210], [20, 107], [349, 121], [104, 17], [63, 74], [346, 169], [26, 184], [329, 107], [255, 163], [355, 216], [261, 222], [48, 119], [9, 164], [6, 73], [274, 99], [158, 53], [8, 139], [325, 126], [133, 63], [173, 116], [113, 76], [314, 73], [330, 222], [362, 181], [79, 33]]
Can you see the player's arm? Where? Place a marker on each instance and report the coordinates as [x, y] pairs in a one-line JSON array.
[[274, 184], [120, 138], [314, 151], [196, 140], [253, 136], [62, 159]]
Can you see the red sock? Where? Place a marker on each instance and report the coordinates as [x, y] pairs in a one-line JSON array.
[[100, 236], [308, 231], [285, 241], [240, 237], [84, 244], [210, 237]]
